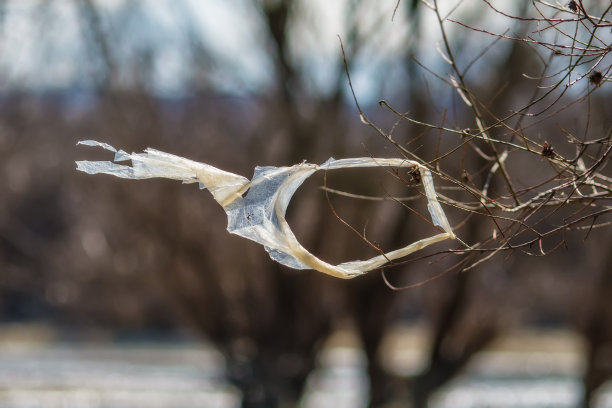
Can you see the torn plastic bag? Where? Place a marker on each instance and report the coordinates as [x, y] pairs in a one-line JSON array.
[[260, 214]]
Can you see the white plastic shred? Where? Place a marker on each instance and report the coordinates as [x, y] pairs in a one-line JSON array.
[[260, 214]]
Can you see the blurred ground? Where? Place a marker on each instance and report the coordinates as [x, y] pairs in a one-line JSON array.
[[536, 368], [38, 370]]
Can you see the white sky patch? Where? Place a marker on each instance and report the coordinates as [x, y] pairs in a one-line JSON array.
[[109, 4], [40, 45], [44, 45], [233, 31], [316, 48], [317, 32]]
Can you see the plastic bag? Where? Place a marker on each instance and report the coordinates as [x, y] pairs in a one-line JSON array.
[[260, 214]]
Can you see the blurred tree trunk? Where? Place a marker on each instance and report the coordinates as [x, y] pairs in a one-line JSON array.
[[598, 334]]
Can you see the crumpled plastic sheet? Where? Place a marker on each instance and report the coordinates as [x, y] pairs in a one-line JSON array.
[[260, 214]]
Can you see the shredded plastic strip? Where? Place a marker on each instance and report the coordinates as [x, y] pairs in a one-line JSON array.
[[260, 214]]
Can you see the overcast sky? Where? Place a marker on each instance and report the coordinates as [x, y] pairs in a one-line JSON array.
[[42, 44]]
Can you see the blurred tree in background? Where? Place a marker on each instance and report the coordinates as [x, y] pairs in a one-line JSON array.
[[508, 104]]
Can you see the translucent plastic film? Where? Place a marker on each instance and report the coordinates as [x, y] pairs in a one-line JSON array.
[[260, 214]]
